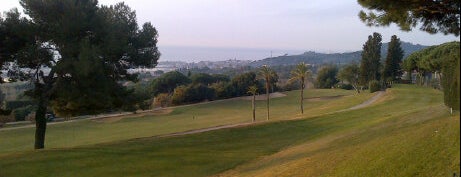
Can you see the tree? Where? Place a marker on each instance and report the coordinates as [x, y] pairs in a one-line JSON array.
[[240, 84], [350, 74], [443, 58], [253, 90], [392, 66], [86, 48], [2, 99], [267, 74], [370, 63], [168, 82], [300, 73], [192, 93], [326, 76], [207, 79], [433, 16]]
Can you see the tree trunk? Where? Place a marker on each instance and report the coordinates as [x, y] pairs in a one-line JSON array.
[[40, 126], [254, 107], [302, 97], [267, 99]]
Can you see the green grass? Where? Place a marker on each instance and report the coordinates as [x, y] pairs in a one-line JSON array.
[[395, 137], [88, 132]]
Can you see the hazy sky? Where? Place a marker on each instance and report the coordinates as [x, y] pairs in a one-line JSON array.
[[291, 25]]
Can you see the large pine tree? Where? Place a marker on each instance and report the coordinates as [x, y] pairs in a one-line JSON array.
[[370, 63], [392, 70], [87, 49]]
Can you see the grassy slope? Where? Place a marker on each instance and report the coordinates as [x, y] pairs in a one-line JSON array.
[[206, 115], [408, 134], [384, 140]]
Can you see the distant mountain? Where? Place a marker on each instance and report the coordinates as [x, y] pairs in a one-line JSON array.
[[333, 58], [407, 47]]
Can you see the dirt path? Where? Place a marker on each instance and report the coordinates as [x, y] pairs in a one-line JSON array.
[[367, 103]]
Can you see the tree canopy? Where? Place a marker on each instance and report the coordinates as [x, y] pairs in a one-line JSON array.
[[326, 76], [75, 52], [443, 58], [392, 66], [371, 56], [168, 82], [350, 74], [431, 15]]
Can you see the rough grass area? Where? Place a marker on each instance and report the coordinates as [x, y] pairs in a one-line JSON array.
[[184, 118], [407, 133]]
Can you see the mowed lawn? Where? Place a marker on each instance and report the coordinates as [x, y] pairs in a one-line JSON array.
[[406, 133], [87, 132]]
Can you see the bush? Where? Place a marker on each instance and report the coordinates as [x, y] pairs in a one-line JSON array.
[[11, 105], [192, 94], [21, 113], [345, 86], [374, 86], [162, 100]]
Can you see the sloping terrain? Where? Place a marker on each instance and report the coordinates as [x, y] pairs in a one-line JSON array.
[[407, 132]]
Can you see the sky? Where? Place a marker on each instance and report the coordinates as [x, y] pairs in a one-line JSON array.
[[193, 30]]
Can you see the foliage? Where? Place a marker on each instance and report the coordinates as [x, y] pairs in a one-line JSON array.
[[87, 49], [350, 74], [345, 86], [192, 93], [162, 100], [20, 114], [2, 99], [326, 77], [433, 16], [18, 104], [300, 73], [374, 86], [222, 89], [371, 56], [392, 69], [451, 75], [207, 79], [443, 59], [240, 84], [268, 75], [168, 82]]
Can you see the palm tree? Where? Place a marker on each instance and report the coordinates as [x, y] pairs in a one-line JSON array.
[[253, 90], [301, 72], [267, 74]]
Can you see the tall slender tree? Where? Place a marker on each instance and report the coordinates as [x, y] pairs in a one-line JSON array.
[[392, 66], [371, 56], [86, 49], [300, 73], [267, 74], [253, 90]]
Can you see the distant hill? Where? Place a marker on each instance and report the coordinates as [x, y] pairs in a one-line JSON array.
[[333, 58]]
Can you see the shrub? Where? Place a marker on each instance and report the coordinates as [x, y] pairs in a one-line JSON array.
[[345, 86], [11, 105], [374, 86], [21, 113], [162, 100]]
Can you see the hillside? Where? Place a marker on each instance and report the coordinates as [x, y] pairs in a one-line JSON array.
[[407, 132], [334, 58]]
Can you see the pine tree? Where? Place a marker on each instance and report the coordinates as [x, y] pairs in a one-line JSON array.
[[392, 69], [371, 56]]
